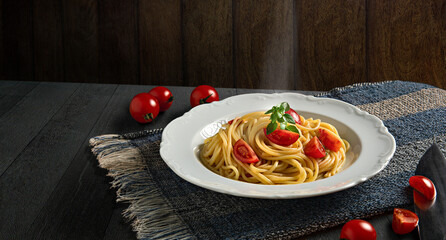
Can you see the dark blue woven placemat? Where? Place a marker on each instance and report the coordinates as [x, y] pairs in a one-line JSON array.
[[162, 205]]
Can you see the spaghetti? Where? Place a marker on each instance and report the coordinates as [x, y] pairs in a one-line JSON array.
[[277, 164]]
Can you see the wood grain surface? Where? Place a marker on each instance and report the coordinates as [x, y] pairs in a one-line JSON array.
[[407, 40], [264, 44], [207, 38], [269, 44], [80, 36], [118, 42], [160, 42], [18, 45], [48, 40], [332, 43], [2, 72]]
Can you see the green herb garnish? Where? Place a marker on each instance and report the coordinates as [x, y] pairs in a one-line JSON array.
[[278, 115]]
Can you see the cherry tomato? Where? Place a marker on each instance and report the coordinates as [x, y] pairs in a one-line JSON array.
[[282, 137], [423, 185], [244, 153], [358, 230], [144, 107], [404, 221], [164, 97], [329, 139], [295, 116], [421, 201], [314, 148], [203, 94]]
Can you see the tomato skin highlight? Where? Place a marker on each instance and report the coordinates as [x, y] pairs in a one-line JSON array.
[[282, 137], [358, 229], [404, 221], [164, 97], [144, 108], [314, 148], [203, 94], [295, 116], [329, 140], [244, 153], [423, 185]]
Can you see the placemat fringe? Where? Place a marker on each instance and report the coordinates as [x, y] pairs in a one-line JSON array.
[[151, 216]]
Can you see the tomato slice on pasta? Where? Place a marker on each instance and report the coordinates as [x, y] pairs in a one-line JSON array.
[[244, 153], [282, 137], [314, 148], [329, 140], [295, 116]]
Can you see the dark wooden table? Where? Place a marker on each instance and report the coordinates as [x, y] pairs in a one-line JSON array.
[[50, 184]]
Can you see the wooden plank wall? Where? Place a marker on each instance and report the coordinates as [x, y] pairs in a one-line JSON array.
[[273, 44]]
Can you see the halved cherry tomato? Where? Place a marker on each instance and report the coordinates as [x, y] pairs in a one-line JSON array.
[[421, 201], [203, 94], [295, 116], [244, 153], [314, 148], [144, 107], [282, 137], [358, 230], [404, 221], [329, 139], [423, 185], [164, 97]]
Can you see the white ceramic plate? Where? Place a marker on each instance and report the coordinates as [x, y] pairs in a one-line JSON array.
[[372, 146]]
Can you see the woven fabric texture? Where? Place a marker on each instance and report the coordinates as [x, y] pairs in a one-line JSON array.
[[162, 205]]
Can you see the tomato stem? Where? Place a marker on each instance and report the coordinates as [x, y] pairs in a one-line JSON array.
[[148, 117], [203, 100]]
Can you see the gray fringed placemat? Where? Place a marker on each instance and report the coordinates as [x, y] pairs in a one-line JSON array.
[[164, 206]]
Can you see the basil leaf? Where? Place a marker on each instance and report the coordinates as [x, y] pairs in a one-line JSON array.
[[283, 125], [278, 115], [271, 127], [273, 117], [269, 111], [285, 106], [292, 128], [289, 118]]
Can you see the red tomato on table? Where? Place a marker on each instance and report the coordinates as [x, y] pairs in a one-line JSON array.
[[314, 148], [423, 185], [164, 97], [421, 201], [244, 153], [203, 94], [358, 230], [404, 221], [330, 140], [144, 108], [282, 137]]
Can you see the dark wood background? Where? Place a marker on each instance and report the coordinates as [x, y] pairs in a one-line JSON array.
[[272, 44]]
